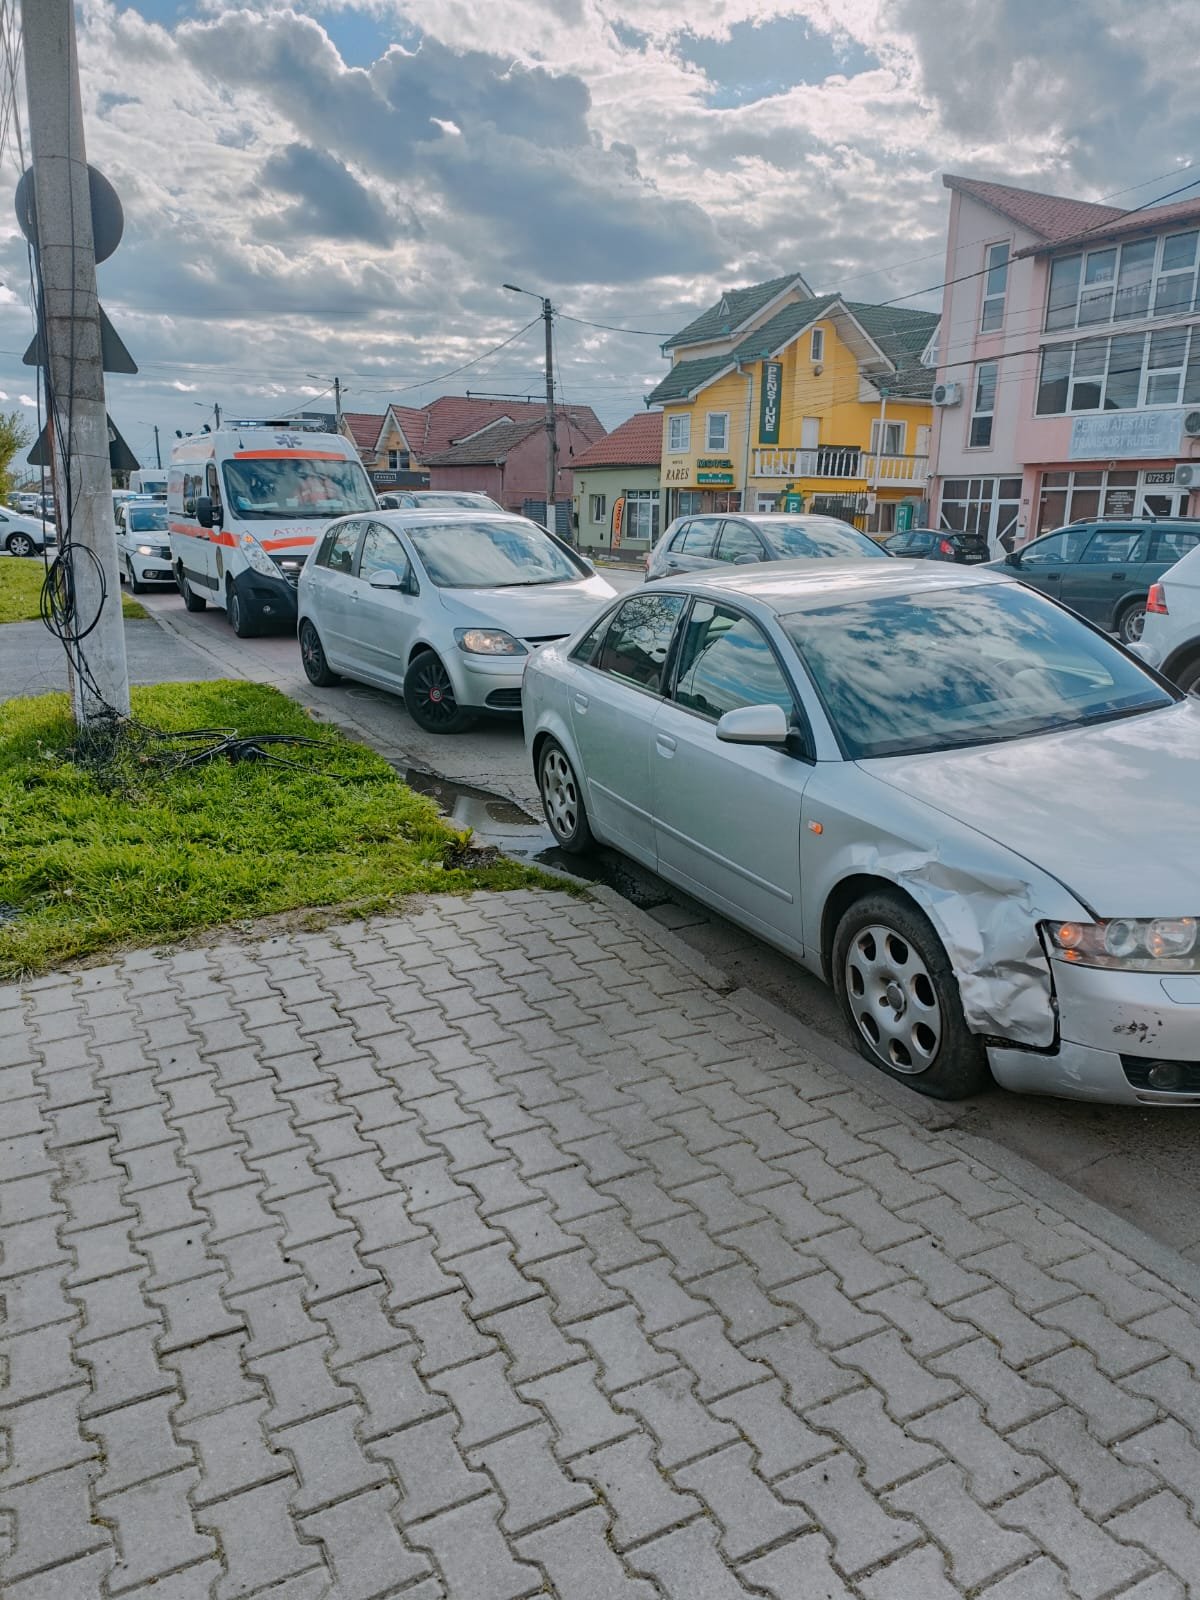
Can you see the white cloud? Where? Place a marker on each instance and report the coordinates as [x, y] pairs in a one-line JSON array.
[[288, 212]]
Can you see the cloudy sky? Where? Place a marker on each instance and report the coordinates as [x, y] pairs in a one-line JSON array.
[[345, 185]]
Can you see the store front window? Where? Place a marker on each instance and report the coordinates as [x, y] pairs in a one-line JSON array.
[[1120, 492], [989, 506]]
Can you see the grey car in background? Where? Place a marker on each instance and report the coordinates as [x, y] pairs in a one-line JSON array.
[[891, 771], [696, 544]]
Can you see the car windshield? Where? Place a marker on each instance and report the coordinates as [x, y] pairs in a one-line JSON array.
[[146, 519], [905, 673], [829, 541], [445, 499], [287, 486], [490, 555]]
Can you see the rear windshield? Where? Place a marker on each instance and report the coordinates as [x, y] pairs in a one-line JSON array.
[[830, 541], [470, 554], [905, 673]]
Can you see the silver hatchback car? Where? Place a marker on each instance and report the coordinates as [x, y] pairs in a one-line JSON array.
[[697, 544], [961, 804]]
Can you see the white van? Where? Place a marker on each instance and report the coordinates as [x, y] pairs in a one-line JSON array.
[[149, 480], [245, 504]]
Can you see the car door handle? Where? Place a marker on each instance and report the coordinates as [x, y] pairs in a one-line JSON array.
[[1117, 577], [581, 702], [665, 743]]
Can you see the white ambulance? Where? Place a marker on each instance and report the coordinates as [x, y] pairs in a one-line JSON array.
[[245, 503]]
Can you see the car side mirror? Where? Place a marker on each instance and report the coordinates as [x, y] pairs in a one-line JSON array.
[[204, 511], [386, 578], [1013, 558], [754, 725], [746, 559]]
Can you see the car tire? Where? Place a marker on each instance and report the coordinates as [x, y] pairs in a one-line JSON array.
[[429, 696], [562, 800], [238, 612], [1188, 677], [1131, 622], [134, 586], [20, 544], [192, 601], [312, 658], [899, 997]]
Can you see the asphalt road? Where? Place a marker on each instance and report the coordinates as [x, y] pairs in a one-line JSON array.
[[1142, 1164]]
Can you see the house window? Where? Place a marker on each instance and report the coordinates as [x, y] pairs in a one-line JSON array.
[[887, 438], [1125, 373], [679, 433], [995, 287], [598, 507], [690, 503], [816, 344], [716, 431], [984, 408], [1145, 278], [641, 514], [398, 460]]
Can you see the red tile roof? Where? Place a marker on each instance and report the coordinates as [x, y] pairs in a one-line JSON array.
[[364, 428], [1049, 215], [489, 447], [1147, 219], [435, 428], [636, 443]]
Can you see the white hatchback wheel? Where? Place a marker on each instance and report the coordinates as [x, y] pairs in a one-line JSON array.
[[893, 999]]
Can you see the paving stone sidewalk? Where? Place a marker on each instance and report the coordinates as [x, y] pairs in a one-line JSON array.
[[487, 1253]]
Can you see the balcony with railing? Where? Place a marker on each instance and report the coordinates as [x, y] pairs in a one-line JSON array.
[[843, 462]]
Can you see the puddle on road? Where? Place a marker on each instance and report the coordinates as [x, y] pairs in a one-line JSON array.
[[493, 820]]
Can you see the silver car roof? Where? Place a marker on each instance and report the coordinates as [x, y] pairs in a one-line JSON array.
[[785, 587]]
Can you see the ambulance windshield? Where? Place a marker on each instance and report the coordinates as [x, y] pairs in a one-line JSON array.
[[288, 486]]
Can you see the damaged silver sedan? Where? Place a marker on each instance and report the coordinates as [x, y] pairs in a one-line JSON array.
[[966, 808]]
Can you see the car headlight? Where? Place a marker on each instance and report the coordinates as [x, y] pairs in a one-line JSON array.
[[145, 549], [258, 558], [1132, 944], [488, 642]]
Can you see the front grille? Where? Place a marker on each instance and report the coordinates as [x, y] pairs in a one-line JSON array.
[[544, 638], [289, 568], [1137, 1073], [504, 700], [163, 552]]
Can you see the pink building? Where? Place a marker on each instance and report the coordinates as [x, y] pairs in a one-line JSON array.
[[507, 460], [1068, 362]]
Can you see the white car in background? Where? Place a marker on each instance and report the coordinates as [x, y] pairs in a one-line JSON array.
[[1171, 636], [443, 607], [23, 535], [143, 543]]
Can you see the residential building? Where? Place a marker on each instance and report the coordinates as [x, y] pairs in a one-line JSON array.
[[781, 399], [618, 487], [1068, 356], [406, 438], [507, 460]]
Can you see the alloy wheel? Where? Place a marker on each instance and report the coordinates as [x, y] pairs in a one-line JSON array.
[[20, 544], [560, 794], [893, 999], [435, 692]]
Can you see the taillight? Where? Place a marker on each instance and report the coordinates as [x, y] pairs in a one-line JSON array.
[[1156, 600], [945, 548]]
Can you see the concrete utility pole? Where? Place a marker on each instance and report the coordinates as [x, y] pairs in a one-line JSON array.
[[551, 419], [157, 449], [337, 396], [70, 316]]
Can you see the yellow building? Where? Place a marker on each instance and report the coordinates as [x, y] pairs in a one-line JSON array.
[[779, 399]]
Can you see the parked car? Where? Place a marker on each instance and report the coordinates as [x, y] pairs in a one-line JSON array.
[[445, 610], [24, 535], [931, 544], [694, 544], [143, 543], [892, 773], [437, 500], [1104, 569], [1171, 638]]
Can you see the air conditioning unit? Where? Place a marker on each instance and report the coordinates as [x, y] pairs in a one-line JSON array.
[[947, 394], [1191, 425], [1187, 475]]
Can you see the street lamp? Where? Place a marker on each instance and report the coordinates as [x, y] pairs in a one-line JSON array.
[[551, 431]]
